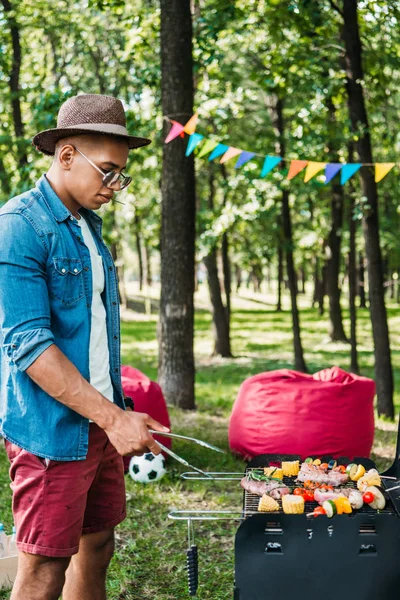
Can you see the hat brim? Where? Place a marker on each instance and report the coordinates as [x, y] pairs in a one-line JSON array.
[[45, 141]]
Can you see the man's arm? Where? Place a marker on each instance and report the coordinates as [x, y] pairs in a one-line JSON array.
[[25, 323], [126, 430]]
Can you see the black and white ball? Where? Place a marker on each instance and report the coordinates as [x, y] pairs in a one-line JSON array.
[[147, 468]]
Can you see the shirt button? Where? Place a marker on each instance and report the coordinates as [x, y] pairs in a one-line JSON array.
[[86, 268], [63, 271], [115, 337], [75, 270], [78, 237], [88, 305], [116, 370], [114, 303], [71, 218]]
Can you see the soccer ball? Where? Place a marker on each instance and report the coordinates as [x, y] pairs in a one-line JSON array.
[[147, 468]]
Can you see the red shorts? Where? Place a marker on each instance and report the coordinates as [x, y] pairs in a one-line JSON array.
[[55, 502]]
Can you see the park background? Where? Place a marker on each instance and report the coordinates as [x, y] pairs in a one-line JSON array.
[[261, 272]]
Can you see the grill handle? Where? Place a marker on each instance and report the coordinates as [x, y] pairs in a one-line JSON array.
[[192, 566]]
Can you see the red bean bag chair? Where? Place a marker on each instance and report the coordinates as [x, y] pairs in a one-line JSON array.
[[286, 412], [148, 398]]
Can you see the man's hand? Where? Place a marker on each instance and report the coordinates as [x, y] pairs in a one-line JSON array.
[[129, 433]]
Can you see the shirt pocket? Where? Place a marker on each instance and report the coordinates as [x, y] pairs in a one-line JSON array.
[[66, 280]]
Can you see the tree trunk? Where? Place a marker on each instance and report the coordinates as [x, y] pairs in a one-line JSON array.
[[176, 324], [148, 272], [361, 282], [336, 332], [137, 224], [4, 180], [352, 271], [359, 121], [322, 291], [280, 278], [276, 110], [238, 276], [222, 345], [15, 86], [222, 342], [226, 267]]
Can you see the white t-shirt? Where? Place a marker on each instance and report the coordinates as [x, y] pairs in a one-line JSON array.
[[99, 358]]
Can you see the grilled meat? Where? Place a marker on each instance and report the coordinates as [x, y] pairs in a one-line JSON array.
[[264, 487], [278, 492], [309, 472], [354, 496]]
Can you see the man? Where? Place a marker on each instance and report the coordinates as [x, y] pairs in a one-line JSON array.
[[62, 410]]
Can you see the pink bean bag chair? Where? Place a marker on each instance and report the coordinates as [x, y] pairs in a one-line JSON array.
[[148, 398], [286, 412]]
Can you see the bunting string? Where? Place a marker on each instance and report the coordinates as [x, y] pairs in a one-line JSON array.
[[224, 152]]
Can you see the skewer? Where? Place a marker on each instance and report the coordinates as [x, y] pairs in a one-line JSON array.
[[388, 477], [396, 487]]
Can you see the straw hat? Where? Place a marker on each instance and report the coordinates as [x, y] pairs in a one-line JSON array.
[[88, 113]]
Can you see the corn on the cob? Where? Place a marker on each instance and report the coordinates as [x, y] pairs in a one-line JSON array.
[[273, 472], [267, 504], [290, 469], [292, 505]]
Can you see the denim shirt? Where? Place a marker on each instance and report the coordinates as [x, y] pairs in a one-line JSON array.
[[46, 298]]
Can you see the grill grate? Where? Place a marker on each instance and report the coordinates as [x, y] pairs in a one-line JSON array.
[[251, 500]]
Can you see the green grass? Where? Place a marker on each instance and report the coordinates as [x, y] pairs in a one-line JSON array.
[[151, 549]]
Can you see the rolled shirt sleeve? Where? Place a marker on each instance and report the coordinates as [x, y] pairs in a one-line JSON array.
[[24, 300]]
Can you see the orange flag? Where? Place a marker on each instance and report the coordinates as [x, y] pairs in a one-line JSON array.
[[295, 167], [230, 153], [190, 126]]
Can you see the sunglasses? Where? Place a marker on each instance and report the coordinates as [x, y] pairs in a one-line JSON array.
[[110, 178]]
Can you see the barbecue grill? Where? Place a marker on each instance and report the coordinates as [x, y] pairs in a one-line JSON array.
[[281, 556]]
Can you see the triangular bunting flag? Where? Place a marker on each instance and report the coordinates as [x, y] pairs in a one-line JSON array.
[[348, 171], [331, 170], [190, 126], [230, 154], [270, 163], [244, 158], [312, 169], [208, 147], [194, 140], [382, 169], [175, 130], [295, 167], [220, 149]]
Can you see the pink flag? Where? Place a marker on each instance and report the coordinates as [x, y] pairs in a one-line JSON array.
[[230, 153], [175, 130]]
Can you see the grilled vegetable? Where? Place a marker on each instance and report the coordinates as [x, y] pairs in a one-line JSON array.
[[379, 501], [319, 511], [274, 472], [293, 505], [368, 497], [360, 472], [317, 462], [330, 508], [267, 504], [332, 464], [356, 499], [291, 468], [370, 478], [351, 470], [308, 460]]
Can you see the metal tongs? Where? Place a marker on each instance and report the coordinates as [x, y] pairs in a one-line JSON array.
[[190, 439]]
